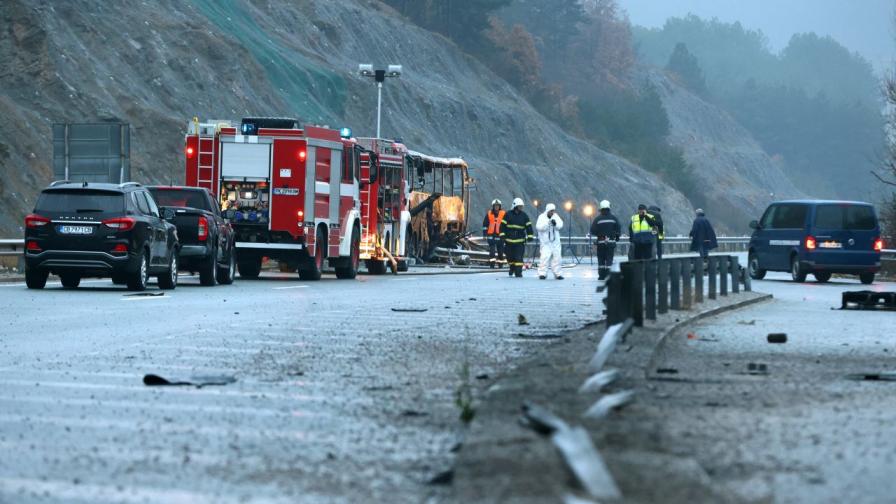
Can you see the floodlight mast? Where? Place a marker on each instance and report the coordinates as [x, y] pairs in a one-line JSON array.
[[379, 76]]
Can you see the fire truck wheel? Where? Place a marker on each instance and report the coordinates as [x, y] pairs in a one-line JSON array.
[[353, 262], [249, 268], [312, 270], [375, 267], [208, 270]]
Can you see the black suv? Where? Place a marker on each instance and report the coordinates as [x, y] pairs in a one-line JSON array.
[[99, 230]]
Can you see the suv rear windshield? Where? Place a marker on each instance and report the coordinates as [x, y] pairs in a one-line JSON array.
[[80, 201], [849, 217], [180, 198]]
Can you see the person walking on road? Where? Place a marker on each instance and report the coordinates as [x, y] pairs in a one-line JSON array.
[[548, 226], [660, 230], [606, 230], [640, 233], [516, 229], [703, 236], [491, 231]]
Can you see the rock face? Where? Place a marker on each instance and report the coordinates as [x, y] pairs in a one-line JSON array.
[[158, 64], [738, 176]]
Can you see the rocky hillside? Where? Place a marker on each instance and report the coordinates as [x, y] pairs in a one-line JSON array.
[[737, 176], [157, 64]]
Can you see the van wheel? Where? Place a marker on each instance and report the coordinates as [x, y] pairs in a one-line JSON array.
[[208, 270], [168, 280], [36, 278], [866, 278], [353, 262], [756, 273], [249, 268], [70, 280], [796, 271], [137, 280], [822, 276]]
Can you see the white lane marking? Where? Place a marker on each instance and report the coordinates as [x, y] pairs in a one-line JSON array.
[[144, 298], [59, 491], [291, 287], [409, 279]]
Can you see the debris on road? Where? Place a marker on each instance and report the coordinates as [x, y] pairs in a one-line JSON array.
[[541, 420], [868, 300], [754, 368], [666, 370], [411, 310], [747, 322], [413, 413], [608, 403], [884, 376], [443, 478], [599, 381], [482, 376], [144, 294], [777, 338], [608, 343], [153, 380], [521, 319]]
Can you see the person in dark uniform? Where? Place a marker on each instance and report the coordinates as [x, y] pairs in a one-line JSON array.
[[640, 233], [516, 229], [491, 230], [605, 230]]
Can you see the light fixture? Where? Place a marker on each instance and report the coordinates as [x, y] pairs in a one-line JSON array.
[[568, 206]]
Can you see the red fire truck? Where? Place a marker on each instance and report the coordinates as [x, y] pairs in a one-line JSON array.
[[292, 194], [385, 219]]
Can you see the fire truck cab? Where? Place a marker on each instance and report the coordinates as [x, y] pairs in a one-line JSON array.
[[385, 219], [291, 193]]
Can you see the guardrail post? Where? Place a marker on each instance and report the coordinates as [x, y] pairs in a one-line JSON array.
[[713, 270], [614, 299], [723, 275], [748, 282], [686, 294], [637, 284], [698, 279], [735, 274], [663, 302], [675, 277], [650, 290], [626, 298]]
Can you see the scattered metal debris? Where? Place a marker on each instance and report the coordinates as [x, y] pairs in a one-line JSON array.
[[599, 381], [777, 338], [521, 319], [445, 477], [868, 300], [413, 413], [666, 370], [194, 381], [608, 403], [608, 343], [874, 376], [482, 376], [411, 310], [144, 294], [754, 368], [747, 322], [541, 420]]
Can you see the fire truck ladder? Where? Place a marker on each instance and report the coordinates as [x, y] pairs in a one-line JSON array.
[[207, 152]]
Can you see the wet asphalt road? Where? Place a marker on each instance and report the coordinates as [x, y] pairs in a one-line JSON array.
[[803, 432], [337, 399]]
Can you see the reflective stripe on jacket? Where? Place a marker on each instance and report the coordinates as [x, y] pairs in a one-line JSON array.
[[516, 227], [641, 228]]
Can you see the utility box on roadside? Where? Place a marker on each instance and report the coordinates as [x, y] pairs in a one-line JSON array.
[[92, 152]]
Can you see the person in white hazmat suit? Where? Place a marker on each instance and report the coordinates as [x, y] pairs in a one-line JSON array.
[[548, 227]]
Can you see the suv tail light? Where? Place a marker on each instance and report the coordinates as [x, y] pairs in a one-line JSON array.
[[120, 248], [120, 223], [36, 221], [33, 246], [811, 243], [878, 244], [203, 228]]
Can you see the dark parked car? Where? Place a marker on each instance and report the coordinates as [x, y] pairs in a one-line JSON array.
[[817, 237], [206, 238], [99, 230]]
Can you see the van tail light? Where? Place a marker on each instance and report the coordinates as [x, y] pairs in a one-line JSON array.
[[203, 228], [878, 244], [811, 243], [120, 248], [120, 223], [32, 246], [35, 221]]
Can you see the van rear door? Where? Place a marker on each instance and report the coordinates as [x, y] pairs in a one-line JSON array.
[[845, 234]]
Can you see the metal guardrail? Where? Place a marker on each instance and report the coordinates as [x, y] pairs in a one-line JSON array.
[[582, 246], [642, 289], [11, 247]]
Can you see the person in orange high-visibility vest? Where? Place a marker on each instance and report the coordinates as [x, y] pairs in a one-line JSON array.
[[491, 231]]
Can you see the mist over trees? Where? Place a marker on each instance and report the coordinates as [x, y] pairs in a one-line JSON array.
[[815, 106]]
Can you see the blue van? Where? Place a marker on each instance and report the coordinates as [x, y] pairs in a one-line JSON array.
[[818, 237]]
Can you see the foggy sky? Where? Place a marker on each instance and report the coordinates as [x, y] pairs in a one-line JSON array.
[[865, 26]]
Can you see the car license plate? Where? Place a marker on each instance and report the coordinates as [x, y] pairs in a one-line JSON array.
[[831, 245], [76, 230]]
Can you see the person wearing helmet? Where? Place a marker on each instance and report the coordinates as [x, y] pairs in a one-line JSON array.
[[548, 226], [516, 229], [491, 231], [640, 233], [605, 230], [659, 230]]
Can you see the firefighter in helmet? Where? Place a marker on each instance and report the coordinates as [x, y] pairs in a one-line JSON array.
[[491, 231], [606, 230], [516, 229]]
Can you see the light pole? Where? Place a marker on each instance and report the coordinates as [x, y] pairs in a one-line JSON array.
[[568, 207], [379, 76], [589, 211]]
